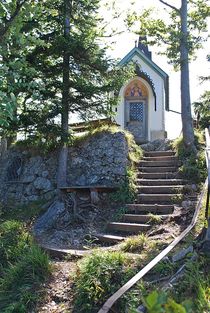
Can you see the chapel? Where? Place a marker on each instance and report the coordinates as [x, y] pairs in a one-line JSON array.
[[144, 98]]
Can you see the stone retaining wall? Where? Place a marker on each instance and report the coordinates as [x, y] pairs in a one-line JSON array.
[[100, 159]]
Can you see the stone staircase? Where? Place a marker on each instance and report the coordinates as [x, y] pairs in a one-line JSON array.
[[159, 189]]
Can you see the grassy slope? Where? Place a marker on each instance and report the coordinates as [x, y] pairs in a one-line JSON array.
[[24, 267]]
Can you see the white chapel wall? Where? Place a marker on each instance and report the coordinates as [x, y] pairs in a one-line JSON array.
[[156, 119]]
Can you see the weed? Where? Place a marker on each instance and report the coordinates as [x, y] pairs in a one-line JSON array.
[[134, 243], [177, 198], [99, 276], [164, 268], [119, 213], [127, 190], [14, 241], [18, 283], [195, 285], [23, 265], [155, 219]]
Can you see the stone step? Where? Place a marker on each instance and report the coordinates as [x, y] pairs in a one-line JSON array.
[[160, 198], [166, 175], [128, 227], [109, 238], [158, 169], [157, 163], [160, 189], [159, 182], [158, 153], [161, 158], [140, 218], [150, 208]]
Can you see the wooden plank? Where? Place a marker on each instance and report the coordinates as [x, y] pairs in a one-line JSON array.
[[94, 188], [118, 294]]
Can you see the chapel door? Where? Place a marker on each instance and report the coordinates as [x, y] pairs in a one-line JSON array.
[[136, 119]]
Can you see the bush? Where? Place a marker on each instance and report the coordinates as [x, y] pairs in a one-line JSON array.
[[99, 276]]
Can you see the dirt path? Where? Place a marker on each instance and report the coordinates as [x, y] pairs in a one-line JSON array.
[[58, 291]]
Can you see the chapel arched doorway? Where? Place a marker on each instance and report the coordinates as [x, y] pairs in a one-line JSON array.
[[136, 110]]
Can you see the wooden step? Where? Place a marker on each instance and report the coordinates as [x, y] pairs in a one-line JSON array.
[[136, 218], [166, 175], [158, 169], [159, 153], [109, 238], [160, 189], [128, 227], [160, 198], [150, 208], [161, 158], [157, 163], [159, 182]]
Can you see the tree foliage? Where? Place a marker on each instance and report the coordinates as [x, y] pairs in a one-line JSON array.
[[32, 60], [202, 110], [178, 37], [202, 106], [166, 34]]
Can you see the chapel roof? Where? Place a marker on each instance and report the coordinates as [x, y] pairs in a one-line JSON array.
[[142, 51]]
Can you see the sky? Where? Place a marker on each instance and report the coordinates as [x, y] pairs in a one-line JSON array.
[[200, 67]]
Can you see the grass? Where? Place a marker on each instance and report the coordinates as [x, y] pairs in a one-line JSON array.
[[154, 218], [20, 281], [135, 153], [195, 286], [22, 213], [24, 266], [126, 192], [134, 243], [98, 277]]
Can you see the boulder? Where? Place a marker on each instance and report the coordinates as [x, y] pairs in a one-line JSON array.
[[56, 214]]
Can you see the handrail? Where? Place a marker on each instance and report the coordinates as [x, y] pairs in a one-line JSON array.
[[118, 294], [110, 302], [207, 213]]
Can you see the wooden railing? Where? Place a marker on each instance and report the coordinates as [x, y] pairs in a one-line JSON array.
[[207, 213], [119, 293]]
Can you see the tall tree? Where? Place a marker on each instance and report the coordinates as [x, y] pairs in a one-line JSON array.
[[63, 156], [61, 73], [178, 39]]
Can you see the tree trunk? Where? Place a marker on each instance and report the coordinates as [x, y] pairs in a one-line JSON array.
[[187, 122], [63, 156]]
